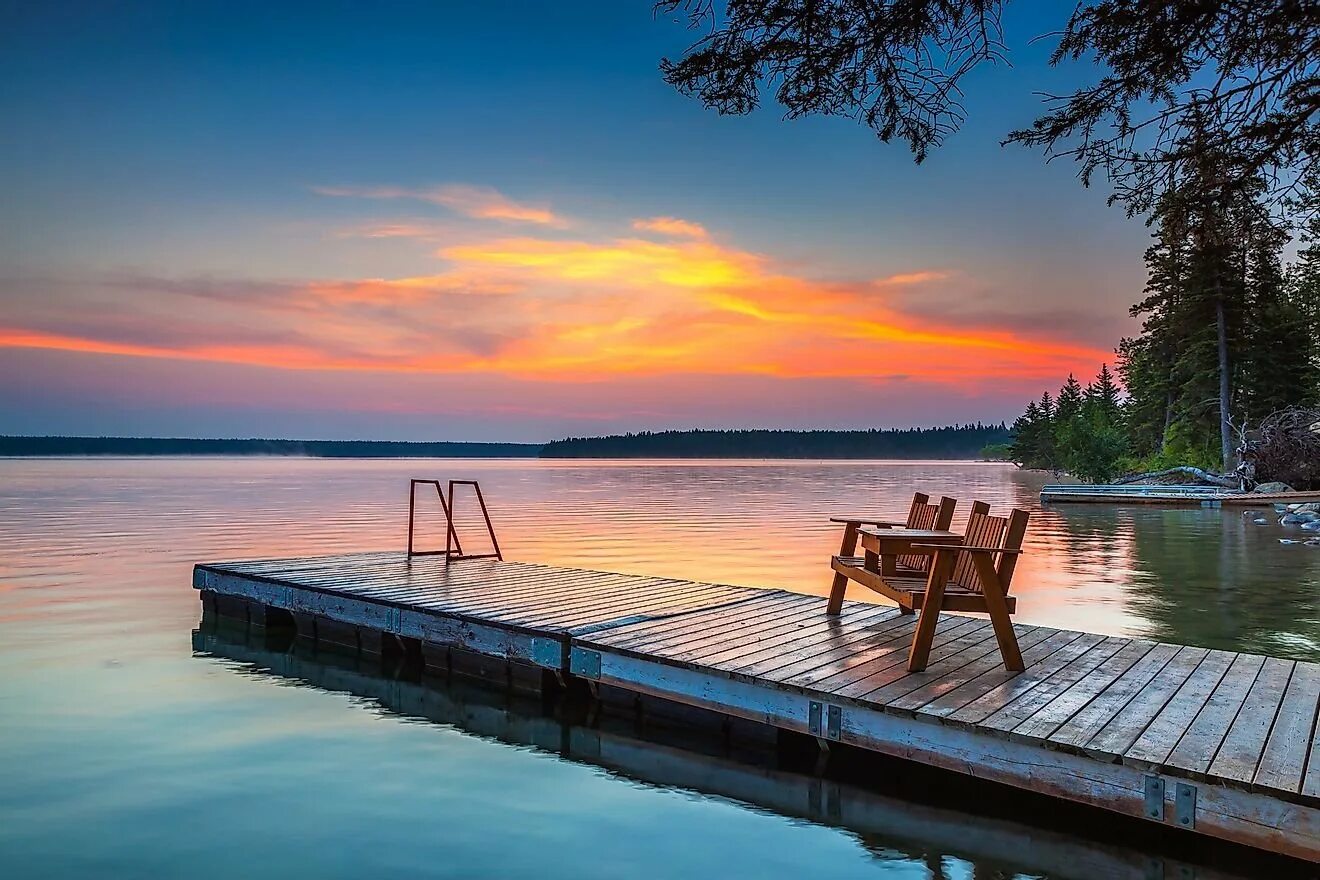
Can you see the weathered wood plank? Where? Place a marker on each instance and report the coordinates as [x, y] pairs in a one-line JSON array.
[[1005, 693], [1116, 697], [970, 643], [786, 638], [919, 688], [766, 633], [1283, 763], [1120, 732], [764, 618], [944, 697], [1026, 705], [1240, 752], [1051, 716], [1200, 741], [782, 662], [855, 658], [698, 625]]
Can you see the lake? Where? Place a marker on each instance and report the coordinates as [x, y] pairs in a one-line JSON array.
[[133, 746]]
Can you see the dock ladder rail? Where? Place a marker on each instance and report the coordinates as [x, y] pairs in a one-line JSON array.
[[453, 547]]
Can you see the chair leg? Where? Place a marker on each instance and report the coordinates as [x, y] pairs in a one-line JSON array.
[[924, 635], [840, 585], [997, 608]]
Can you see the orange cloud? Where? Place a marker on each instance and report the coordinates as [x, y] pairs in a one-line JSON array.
[[582, 310], [670, 226], [481, 202], [905, 278]]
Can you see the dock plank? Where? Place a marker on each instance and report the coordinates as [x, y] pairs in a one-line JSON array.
[[945, 694], [1200, 741], [1240, 752], [997, 698], [1054, 714], [1152, 745], [1283, 763], [899, 694], [1115, 698]]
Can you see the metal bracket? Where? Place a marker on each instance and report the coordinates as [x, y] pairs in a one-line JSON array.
[[1184, 804], [814, 711], [585, 663], [393, 620], [834, 725], [549, 653], [1154, 788]]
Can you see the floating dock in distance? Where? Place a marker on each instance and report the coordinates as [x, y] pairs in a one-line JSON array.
[[1196, 496], [1211, 742]]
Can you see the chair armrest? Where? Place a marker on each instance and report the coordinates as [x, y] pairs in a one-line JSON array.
[[866, 521], [967, 547]]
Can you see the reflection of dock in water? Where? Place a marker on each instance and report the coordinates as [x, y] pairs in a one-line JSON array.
[[902, 818], [1218, 743]]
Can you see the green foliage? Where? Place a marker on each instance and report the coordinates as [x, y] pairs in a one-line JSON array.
[[1242, 74], [1080, 431], [997, 452]]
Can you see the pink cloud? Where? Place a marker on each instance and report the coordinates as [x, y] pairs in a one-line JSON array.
[[480, 202], [670, 226]]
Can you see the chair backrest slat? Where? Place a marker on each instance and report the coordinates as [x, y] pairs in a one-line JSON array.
[[984, 530], [1017, 531], [924, 515]]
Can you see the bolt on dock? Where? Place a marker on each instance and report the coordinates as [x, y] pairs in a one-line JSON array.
[[1210, 742]]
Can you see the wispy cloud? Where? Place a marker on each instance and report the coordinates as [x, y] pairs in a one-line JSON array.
[[547, 308], [670, 226], [480, 202], [903, 279]]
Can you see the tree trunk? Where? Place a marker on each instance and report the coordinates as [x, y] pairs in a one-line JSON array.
[[1228, 482], [1225, 423]]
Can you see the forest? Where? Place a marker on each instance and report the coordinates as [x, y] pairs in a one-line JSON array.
[[1227, 359], [953, 442]]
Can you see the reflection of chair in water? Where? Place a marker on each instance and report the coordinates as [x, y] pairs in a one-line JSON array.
[[972, 575]]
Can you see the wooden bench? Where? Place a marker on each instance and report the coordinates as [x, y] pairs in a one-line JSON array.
[[971, 574], [921, 515]]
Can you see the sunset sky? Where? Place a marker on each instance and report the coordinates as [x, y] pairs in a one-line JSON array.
[[494, 221]]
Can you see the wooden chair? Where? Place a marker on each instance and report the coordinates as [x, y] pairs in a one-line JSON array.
[[921, 515], [972, 576]]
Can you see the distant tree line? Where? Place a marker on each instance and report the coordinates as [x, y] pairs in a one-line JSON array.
[[953, 442], [55, 446]]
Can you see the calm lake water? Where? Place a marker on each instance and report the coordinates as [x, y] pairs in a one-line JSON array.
[[131, 746]]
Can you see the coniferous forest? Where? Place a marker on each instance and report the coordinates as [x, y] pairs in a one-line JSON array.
[[953, 442], [1230, 337]]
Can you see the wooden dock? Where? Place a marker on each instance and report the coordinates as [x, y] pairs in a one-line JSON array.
[[1195, 496], [1211, 742], [904, 819]]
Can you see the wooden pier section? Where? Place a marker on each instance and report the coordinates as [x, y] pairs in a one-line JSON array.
[[1170, 496], [1210, 742]]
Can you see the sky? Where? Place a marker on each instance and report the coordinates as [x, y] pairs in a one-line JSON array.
[[495, 221]]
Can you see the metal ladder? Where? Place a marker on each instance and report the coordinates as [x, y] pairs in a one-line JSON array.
[[453, 547]]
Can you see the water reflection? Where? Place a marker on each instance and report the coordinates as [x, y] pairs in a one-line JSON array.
[[905, 825], [121, 755], [1189, 575]]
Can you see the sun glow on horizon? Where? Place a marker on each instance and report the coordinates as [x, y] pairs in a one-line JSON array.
[[663, 298]]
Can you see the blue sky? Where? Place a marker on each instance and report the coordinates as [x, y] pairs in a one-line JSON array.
[[153, 148]]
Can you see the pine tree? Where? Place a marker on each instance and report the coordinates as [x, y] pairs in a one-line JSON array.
[[1103, 393]]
